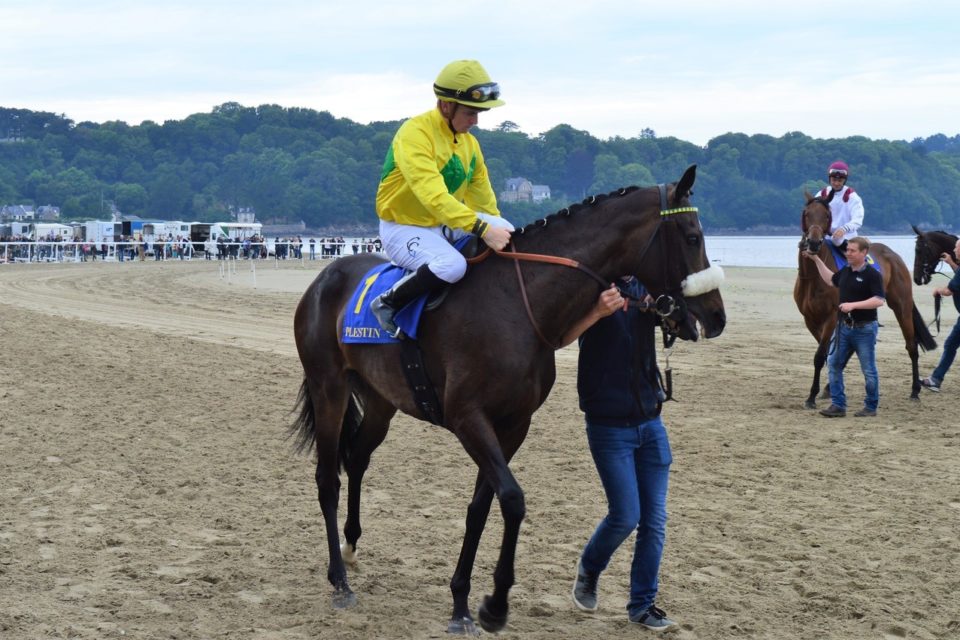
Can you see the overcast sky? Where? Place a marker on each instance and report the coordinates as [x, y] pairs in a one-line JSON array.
[[685, 68]]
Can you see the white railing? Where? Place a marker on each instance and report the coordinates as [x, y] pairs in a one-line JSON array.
[[51, 251]]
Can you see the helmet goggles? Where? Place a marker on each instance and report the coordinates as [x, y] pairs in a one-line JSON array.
[[481, 93], [838, 173]]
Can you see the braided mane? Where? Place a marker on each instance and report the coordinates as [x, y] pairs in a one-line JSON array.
[[587, 203]]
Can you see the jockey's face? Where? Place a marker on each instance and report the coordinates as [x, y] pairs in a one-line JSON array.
[[461, 117], [837, 180]]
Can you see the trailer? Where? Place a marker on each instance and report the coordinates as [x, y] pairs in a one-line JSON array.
[[235, 231], [98, 231], [40, 231]]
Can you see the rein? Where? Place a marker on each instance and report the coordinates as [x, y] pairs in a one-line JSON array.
[[664, 306], [537, 257]]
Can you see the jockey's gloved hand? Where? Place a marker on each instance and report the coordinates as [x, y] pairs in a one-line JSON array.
[[496, 238]]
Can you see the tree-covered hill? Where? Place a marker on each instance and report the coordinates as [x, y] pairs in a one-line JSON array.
[[293, 164]]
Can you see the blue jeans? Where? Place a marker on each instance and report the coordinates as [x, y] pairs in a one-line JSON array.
[[863, 341], [949, 353], [634, 466]]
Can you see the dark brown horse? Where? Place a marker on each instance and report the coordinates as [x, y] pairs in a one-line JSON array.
[[926, 258], [483, 354], [819, 302]]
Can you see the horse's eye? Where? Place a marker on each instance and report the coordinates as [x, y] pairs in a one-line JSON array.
[[693, 240]]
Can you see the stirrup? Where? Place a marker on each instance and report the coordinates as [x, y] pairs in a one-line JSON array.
[[385, 314]]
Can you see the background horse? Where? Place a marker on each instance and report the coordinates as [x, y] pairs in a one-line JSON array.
[[819, 302], [483, 354], [930, 246]]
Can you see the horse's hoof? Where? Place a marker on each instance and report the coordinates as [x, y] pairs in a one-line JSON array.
[[462, 627], [810, 404], [349, 554], [490, 622], [344, 599], [915, 397]]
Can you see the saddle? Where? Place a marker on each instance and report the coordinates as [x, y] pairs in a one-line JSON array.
[[360, 326]]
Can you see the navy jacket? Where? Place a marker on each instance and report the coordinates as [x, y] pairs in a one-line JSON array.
[[617, 378], [954, 287]]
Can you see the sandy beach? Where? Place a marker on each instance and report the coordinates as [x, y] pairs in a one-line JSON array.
[[149, 490]]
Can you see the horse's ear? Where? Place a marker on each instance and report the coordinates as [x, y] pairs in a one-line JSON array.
[[915, 230], [685, 184], [808, 196]]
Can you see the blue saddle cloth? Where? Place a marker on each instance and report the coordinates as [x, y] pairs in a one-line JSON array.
[[842, 259], [359, 323]]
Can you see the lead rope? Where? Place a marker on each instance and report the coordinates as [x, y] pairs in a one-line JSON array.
[[936, 311], [668, 375]]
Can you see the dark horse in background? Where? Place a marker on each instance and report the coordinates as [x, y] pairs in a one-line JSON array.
[[819, 302], [926, 258], [483, 354]]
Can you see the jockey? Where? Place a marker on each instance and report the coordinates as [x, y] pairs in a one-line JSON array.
[[846, 207], [434, 188]]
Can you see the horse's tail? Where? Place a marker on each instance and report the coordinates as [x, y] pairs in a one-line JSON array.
[[921, 333], [303, 429]]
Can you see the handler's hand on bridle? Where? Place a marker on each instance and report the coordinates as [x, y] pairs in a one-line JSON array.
[[610, 301]]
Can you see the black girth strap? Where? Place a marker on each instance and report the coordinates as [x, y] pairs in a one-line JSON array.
[[424, 394]]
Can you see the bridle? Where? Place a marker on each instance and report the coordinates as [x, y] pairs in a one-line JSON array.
[[805, 242], [930, 260], [668, 307]]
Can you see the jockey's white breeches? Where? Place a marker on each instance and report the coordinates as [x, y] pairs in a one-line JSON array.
[[410, 247]]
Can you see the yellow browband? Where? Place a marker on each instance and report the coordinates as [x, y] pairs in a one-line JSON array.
[[670, 212]]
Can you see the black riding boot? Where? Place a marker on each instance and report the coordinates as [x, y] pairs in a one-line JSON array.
[[410, 286]]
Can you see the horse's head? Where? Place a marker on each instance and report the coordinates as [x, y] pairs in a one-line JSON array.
[[675, 268], [815, 221], [926, 258]]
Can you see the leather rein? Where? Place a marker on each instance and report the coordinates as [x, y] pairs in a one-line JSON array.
[[664, 305]]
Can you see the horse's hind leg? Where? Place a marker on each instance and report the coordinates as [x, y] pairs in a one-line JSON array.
[[370, 433], [329, 398]]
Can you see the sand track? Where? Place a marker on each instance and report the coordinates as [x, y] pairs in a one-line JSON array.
[[148, 490]]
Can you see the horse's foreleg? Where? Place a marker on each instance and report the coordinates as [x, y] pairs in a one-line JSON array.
[[482, 444], [493, 611], [819, 358], [461, 622], [915, 369]]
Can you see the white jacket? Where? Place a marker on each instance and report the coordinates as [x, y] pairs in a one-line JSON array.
[[846, 208]]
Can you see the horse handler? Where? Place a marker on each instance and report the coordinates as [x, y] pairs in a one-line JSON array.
[[953, 340], [619, 387], [861, 294]]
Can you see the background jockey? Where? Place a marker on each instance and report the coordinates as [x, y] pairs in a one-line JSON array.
[[434, 188], [846, 207]]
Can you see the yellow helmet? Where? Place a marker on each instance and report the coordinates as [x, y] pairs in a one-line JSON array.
[[467, 82]]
